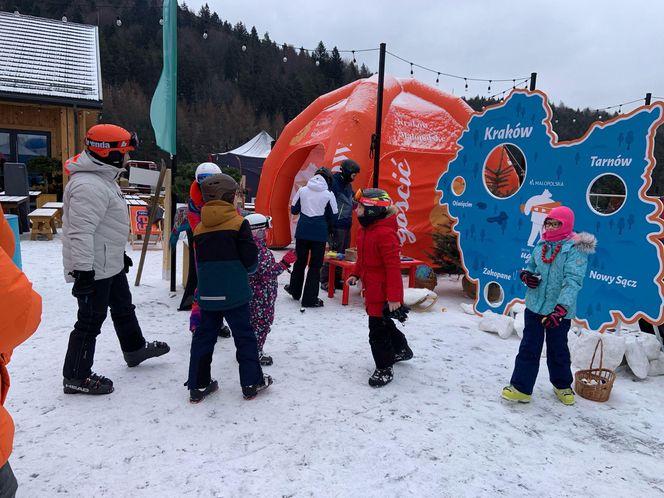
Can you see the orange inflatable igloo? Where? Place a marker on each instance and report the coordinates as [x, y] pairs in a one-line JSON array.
[[421, 125]]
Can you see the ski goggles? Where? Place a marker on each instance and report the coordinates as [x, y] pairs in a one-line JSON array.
[[371, 201]]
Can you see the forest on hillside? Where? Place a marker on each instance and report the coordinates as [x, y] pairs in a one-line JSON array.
[[232, 81]]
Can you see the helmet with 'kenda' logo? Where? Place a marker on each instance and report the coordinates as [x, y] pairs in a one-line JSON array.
[[109, 143]]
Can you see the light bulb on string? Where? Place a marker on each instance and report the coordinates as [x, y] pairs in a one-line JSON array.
[[244, 48], [161, 21], [205, 35], [437, 78], [620, 109], [64, 18], [354, 60], [513, 84], [573, 120], [489, 89], [465, 83], [285, 59], [118, 21], [317, 63], [411, 69]]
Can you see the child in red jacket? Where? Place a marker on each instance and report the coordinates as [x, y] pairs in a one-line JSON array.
[[378, 266]]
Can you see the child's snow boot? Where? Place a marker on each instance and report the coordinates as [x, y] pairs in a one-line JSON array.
[[566, 396], [150, 350], [224, 331], [403, 355], [93, 384], [198, 395], [511, 393], [264, 359], [250, 392], [381, 377]]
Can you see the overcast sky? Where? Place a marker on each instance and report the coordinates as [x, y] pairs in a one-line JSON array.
[[587, 53]]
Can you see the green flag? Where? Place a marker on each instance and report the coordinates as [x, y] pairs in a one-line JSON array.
[[164, 100]]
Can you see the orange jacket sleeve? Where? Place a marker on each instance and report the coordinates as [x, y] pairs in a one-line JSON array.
[[20, 309]]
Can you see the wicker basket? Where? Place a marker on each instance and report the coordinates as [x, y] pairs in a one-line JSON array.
[[595, 384], [350, 254], [428, 282]]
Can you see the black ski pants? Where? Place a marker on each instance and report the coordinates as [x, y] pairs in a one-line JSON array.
[[339, 242], [313, 252], [385, 340], [205, 337], [110, 292]]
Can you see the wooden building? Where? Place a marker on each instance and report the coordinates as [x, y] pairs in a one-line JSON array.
[[50, 86]]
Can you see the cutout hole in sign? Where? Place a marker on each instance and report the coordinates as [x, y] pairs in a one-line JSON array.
[[458, 186], [494, 294], [606, 194], [504, 170]]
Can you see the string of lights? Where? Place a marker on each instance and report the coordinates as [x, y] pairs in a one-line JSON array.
[[514, 85], [619, 106], [455, 76]]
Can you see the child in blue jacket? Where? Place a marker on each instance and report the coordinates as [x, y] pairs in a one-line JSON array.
[[554, 276]]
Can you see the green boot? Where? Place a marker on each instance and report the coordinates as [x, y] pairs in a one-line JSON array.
[[566, 396], [511, 393]]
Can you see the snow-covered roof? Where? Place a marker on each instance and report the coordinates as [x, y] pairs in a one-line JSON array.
[[259, 146], [44, 59]]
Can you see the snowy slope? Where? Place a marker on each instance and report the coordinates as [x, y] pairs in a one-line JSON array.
[[440, 429]]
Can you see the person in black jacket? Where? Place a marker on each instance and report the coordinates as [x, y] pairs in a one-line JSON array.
[[339, 236], [225, 256], [316, 206]]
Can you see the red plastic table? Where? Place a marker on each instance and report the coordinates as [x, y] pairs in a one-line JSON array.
[[348, 267]]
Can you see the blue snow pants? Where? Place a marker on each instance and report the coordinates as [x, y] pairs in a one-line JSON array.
[[527, 361], [205, 337]]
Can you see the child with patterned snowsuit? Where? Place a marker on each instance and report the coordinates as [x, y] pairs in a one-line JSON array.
[[554, 276], [263, 283]]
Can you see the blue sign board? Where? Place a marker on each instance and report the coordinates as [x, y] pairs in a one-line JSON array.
[[511, 170]]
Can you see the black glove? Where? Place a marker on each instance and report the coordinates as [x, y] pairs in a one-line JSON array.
[[127, 263], [530, 279], [401, 313], [84, 283]]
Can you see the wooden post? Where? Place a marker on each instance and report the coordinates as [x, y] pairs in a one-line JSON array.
[[166, 265], [154, 203]]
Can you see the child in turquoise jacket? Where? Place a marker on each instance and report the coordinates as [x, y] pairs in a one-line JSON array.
[[554, 276]]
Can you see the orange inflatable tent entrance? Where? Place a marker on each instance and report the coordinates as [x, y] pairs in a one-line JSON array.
[[421, 125]]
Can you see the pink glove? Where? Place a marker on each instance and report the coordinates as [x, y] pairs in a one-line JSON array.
[[289, 258]]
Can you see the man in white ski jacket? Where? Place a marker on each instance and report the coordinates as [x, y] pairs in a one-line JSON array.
[[94, 233]]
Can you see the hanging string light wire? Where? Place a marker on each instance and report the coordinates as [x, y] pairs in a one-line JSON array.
[[512, 87], [456, 76], [619, 106]]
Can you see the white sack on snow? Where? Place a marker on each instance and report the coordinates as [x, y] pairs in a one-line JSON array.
[[419, 299], [656, 367], [650, 344], [520, 324], [517, 309], [467, 308], [584, 346], [637, 358], [500, 324]]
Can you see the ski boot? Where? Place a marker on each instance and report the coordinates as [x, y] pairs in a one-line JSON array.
[[198, 395], [264, 360], [404, 355], [511, 393], [381, 377], [150, 350], [318, 303], [92, 384], [224, 332], [250, 392], [566, 396]]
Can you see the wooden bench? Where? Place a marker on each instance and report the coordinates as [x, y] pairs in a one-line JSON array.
[[43, 223], [58, 214]]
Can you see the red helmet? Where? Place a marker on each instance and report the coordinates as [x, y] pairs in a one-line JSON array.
[[102, 139]]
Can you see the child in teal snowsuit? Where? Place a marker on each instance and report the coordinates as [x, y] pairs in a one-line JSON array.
[[554, 276]]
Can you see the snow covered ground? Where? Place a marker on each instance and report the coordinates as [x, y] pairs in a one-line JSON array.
[[439, 429]]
